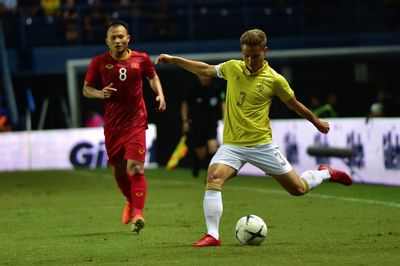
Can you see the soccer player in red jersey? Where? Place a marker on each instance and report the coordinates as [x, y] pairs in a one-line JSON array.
[[116, 77]]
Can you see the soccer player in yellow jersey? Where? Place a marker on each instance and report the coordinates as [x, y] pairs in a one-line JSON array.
[[247, 138]]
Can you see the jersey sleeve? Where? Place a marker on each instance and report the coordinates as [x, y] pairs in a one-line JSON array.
[[218, 68], [222, 71], [282, 88], [93, 73], [148, 69]]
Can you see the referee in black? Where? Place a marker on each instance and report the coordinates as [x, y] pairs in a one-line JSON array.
[[202, 107]]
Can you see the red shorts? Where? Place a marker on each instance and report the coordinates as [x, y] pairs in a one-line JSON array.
[[123, 146]]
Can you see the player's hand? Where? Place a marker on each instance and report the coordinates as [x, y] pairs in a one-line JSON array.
[[323, 126], [161, 103], [164, 59], [108, 91]]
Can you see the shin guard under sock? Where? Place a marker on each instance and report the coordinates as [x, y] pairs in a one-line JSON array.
[[124, 185], [138, 192]]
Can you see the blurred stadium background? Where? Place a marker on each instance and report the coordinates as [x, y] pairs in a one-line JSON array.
[[350, 48]]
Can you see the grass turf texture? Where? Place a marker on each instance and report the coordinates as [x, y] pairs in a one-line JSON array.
[[74, 217]]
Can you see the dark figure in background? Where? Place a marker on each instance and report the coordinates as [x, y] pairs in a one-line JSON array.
[[70, 18], [200, 111], [315, 103], [94, 20], [384, 106], [329, 108], [160, 21]]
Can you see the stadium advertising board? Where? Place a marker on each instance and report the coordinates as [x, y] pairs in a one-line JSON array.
[[61, 149], [375, 146]]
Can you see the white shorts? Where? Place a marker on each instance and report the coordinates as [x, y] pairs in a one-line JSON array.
[[266, 157]]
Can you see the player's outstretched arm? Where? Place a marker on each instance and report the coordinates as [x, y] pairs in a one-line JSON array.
[[196, 67], [300, 109]]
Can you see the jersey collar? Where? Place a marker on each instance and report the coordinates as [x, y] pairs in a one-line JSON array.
[[128, 54], [247, 72]]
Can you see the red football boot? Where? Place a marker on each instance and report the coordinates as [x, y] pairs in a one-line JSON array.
[[207, 241], [127, 214], [337, 176]]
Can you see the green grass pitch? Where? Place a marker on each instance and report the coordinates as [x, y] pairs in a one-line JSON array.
[[74, 218]]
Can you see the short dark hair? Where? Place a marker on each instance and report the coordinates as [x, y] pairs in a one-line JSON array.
[[116, 22], [254, 37]]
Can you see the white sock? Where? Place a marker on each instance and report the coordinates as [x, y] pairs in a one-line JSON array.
[[314, 178], [212, 205]]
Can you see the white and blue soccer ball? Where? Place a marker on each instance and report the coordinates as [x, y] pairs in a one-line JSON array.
[[251, 230]]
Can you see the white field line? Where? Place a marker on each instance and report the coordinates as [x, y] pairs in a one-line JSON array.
[[264, 190]]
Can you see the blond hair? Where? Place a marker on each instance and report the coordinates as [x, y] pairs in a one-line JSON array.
[[254, 37]]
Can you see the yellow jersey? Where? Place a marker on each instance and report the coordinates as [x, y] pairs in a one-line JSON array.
[[248, 100]]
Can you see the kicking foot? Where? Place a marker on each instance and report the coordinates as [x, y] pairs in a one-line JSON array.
[[127, 214], [207, 241], [137, 223], [337, 176]]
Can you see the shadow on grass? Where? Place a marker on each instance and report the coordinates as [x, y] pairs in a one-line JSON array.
[[100, 234]]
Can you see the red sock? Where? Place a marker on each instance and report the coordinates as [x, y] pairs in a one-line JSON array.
[[138, 192], [124, 184]]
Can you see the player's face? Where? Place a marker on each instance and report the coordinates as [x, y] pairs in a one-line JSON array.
[[253, 57], [117, 39]]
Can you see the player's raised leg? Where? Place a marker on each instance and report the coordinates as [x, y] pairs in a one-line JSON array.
[[337, 176], [314, 178], [310, 179]]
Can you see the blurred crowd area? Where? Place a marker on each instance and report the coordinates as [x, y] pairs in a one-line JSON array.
[[79, 22], [40, 35]]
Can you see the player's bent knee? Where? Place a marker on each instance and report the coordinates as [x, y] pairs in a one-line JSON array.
[[211, 178], [297, 191], [136, 169]]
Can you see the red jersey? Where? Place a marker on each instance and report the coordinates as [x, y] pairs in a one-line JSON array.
[[125, 109]]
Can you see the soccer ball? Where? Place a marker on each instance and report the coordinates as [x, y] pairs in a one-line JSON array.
[[251, 230]]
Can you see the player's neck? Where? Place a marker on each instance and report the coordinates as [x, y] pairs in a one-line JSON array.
[[121, 56]]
